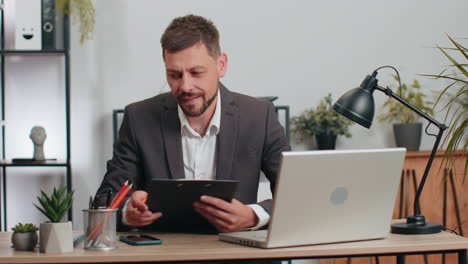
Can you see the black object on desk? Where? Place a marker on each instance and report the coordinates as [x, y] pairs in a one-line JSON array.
[[175, 198], [140, 240]]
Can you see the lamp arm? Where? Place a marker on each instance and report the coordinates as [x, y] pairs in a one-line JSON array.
[[426, 172], [439, 125]]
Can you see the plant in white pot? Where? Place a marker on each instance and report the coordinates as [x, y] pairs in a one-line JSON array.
[[406, 128], [55, 236], [24, 237]]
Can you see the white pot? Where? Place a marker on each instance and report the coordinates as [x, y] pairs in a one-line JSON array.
[[56, 237]]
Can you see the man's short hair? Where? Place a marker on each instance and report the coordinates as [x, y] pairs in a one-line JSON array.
[[186, 31]]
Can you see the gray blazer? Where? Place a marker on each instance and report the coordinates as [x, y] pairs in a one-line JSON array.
[[149, 145]]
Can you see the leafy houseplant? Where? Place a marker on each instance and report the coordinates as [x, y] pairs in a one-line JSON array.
[[24, 237], [56, 236], [407, 130], [455, 99], [321, 122]]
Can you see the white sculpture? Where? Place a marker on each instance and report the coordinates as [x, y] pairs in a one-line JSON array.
[[38, 136]]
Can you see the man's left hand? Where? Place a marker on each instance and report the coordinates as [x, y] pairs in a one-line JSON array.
[[226, 216]]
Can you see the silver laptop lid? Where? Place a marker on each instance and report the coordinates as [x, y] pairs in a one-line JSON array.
[[334, 196]]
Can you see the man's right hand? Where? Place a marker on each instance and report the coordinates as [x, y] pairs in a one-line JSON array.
[[138, 213]]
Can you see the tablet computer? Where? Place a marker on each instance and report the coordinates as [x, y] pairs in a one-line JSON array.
[[175, 198]]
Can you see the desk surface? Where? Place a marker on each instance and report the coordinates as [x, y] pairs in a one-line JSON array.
[[187, 247]]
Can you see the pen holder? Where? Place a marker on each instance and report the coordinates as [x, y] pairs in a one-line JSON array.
[[100, 229]]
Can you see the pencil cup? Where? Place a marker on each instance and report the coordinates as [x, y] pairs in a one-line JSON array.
[[100, 229]]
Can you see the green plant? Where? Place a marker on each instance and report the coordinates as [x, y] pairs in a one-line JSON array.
[[454, 101], [321, 120], [25, 228], [81, 11], [56, 206], [399, 113]]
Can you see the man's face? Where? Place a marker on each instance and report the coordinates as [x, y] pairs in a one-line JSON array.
[[193, 76]]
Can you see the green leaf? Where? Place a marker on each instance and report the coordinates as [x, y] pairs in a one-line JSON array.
[[460, 68], [44, 195], [24, 228], [459, 47], [55, 206]]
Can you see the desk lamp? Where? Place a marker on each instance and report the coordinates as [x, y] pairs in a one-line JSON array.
[[358, 105]]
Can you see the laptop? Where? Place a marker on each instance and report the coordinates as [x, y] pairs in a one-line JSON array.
[[330, 196]]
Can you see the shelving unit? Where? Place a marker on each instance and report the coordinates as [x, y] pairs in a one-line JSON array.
[[7, 164]]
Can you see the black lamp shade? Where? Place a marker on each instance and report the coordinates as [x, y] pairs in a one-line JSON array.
[[357, 105]]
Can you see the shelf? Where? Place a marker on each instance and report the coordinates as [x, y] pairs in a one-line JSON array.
[[34, 52], [47, 163], [7, 164]]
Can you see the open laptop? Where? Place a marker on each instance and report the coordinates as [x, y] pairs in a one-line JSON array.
[[330, 196]]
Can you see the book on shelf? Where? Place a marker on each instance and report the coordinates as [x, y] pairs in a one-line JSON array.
[[48, 24]]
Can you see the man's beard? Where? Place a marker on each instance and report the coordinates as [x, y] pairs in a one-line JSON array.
[[202, 109]]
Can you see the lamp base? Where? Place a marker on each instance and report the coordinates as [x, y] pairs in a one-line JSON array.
[[416, 225]]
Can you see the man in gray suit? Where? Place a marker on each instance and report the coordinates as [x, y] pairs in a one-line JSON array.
[[200, 130]]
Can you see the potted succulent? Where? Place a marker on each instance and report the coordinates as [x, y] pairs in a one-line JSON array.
[[24, 237], [406, 128], [55, 236], [321, 122], [454, 101]]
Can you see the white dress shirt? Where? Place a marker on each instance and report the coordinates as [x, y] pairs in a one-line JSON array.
[[199, 154]]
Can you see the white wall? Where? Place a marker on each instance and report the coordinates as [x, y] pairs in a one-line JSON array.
[[297, 50]]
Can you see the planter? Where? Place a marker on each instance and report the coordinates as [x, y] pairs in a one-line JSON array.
[[325, 141], [408, 135], [56, 237], [24, 241]]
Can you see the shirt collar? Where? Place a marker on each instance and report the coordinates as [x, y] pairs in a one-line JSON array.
[[215, 122]]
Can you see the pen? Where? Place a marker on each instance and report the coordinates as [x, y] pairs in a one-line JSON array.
[[108, 198], [90, 202], [122, 189], [90, 220], [118, 200]]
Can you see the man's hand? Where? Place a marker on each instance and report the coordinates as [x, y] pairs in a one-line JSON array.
[[225, 216], [138, 213]]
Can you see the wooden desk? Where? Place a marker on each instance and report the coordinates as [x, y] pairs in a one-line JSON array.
[[186, 247]]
